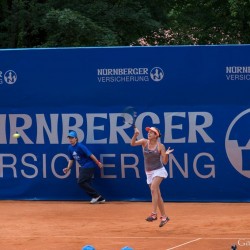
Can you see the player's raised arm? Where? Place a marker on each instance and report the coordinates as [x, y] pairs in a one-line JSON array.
[[134, 141]]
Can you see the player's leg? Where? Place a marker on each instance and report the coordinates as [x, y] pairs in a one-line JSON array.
[[161, 203], [154, 187], [164, 217], [155, 193], [85, 182], [157, 199], [153, 215]]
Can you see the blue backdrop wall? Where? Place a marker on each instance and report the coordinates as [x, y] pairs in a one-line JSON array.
[[198, 96]]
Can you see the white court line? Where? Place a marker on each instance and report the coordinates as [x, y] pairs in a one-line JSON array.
[[114, 237], [184, 244]]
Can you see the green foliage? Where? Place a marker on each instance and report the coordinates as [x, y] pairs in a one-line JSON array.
[[55, 23], [21, 24], [60, 23], [209, 22], [69, 28]]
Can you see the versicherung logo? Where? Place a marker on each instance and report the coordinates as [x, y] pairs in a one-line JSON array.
[[9, 77], [238, 73], [130, 75], [237, 143]]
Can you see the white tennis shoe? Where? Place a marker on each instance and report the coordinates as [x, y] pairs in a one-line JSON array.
[[98, 199]]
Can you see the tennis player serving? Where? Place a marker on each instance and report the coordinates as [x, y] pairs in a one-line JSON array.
[[155, 157]]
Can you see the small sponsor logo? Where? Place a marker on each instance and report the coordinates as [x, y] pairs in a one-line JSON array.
[[237, 143], [244, 242], [129, 75], [156, 74], [9, 77], [238, 73]]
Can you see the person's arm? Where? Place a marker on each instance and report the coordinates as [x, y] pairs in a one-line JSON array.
[[89, 154], [67, 169], [97, 162], [165, 153], [135, 142]]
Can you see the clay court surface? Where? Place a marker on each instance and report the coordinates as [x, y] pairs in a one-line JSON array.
[[45, 225]]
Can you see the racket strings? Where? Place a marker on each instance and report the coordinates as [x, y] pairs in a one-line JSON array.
[[129, 115], [128, 118]]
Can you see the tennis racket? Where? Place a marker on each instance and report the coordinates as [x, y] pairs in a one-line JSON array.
[[129, 115]]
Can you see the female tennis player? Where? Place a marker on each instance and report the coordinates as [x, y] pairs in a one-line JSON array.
[[155, 157]]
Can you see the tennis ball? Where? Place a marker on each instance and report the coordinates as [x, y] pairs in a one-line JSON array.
[[16, 135]]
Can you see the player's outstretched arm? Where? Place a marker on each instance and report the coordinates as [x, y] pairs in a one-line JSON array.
[[134, 141], [165, 153]]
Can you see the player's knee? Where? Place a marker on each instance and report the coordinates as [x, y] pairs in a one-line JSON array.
[[82, 184], [153, 190]]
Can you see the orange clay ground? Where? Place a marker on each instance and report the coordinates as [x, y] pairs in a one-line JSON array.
[[45, 225]]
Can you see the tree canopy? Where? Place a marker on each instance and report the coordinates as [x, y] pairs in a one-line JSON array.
[[64, 23]]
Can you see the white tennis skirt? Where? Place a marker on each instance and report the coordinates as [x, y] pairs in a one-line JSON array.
[[162, 172]]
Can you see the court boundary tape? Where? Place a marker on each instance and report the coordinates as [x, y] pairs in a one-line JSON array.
[[183, 244]]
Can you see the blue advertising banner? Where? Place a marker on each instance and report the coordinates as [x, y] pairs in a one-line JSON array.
[[198, 96]]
